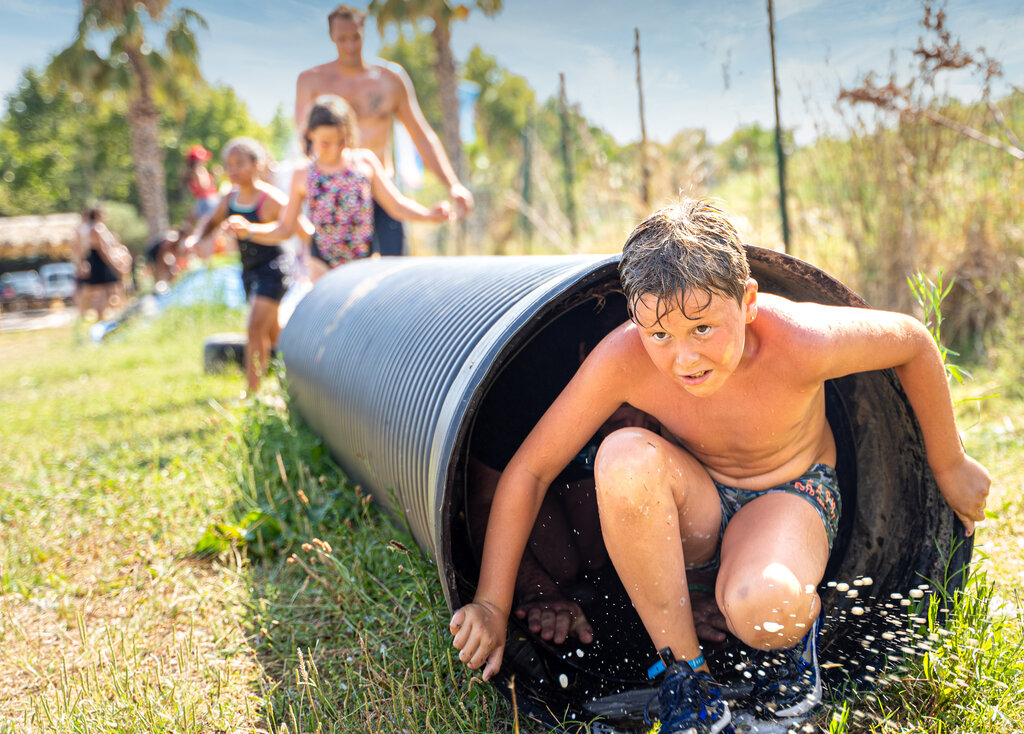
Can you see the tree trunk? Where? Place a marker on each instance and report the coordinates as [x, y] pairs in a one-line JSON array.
[[448, 88], [147, 157]]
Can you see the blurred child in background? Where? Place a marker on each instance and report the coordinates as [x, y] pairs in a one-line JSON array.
[[266, 266], [340, 183]]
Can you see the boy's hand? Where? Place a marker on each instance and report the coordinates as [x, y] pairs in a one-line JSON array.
[[479, 630], [965, 486], [556, 620]]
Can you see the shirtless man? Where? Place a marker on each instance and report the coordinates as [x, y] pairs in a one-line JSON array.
[[378, 93]]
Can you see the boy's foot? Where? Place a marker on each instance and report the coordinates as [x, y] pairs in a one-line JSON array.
[[786, 683], [688, 703]]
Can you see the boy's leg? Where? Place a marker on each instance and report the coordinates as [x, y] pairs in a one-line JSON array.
[[774, 553], [659, 512]]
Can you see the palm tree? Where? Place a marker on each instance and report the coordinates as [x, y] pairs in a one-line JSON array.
[[149, 77], [442, 13]]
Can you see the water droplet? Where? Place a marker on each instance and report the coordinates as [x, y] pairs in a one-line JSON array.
[[857, 611], [563, 680], [772, 627]]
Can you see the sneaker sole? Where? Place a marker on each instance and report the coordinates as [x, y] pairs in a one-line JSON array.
[[813, 698]]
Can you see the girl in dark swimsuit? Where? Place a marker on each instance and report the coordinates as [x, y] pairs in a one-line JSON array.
[[265, 265]]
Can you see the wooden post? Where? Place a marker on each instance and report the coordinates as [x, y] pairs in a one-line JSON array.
[[645, 170], [570, 198], [780, 153], [525, 225]]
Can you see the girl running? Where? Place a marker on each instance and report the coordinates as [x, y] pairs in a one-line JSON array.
[[265, 265], [340, 183]]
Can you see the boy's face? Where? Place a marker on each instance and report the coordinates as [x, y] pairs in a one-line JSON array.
[[701, 349]]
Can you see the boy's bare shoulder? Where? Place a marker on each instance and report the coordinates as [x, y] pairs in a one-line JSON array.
[[621, 352]]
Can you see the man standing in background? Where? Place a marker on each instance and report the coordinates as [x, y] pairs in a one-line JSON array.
[[378, 93]]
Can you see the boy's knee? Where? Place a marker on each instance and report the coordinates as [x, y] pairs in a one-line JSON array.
[[622, 464], [770, 610]]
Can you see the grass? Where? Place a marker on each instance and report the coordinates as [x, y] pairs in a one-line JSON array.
[[173, 559]]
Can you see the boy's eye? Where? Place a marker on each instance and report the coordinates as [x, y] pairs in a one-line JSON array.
[[702, 329], [659, 335]]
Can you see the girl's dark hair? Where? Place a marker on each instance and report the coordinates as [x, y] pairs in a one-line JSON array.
[[249, 147], [93, 213], [333, 111], [689, 247]]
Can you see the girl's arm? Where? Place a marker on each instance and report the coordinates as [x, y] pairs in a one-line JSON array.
[[113, 252], [218, 216], [395, 203], [271, 233]]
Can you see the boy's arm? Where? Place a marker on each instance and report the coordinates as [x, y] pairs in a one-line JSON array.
[[859, 340], [588, 400]]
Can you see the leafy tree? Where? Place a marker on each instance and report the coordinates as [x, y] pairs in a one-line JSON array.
[[215, 115], [58, 152], [415, 53], [442, 13], [504, 106], [152, 79]]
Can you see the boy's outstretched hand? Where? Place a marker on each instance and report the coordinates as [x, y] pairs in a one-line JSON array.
[[479, 630], [965, 486]]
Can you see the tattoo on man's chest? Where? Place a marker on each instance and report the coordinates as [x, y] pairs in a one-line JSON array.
[[375, 102]]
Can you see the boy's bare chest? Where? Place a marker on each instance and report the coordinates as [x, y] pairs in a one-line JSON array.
[[756, 418]]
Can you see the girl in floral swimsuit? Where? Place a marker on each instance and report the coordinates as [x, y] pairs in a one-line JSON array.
[[340, 183]]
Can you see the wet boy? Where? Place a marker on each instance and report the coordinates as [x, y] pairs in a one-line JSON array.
[[737, 380]]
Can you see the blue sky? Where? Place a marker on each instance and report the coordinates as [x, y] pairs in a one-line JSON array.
[[706, 64]]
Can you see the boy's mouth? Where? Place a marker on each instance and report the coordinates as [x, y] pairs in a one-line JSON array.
[[695, 377]]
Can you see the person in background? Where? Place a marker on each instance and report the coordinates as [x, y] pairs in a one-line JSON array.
[[164, 254], [339, 183], [203, 188], [379, 94], [102, 262], [266, 267]]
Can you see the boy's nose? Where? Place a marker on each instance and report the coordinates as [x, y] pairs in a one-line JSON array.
[[686, 359]]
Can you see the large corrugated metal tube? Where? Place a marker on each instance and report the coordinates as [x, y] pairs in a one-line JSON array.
[[415, 370]]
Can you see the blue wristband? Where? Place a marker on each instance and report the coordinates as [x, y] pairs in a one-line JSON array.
[[696, 662]]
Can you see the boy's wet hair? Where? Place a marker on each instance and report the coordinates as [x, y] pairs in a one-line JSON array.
[[333, 111], [249, 147], [346, 12], [688, 247]]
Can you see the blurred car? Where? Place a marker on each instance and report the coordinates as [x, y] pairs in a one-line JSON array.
[[58, 281], [21, 290]]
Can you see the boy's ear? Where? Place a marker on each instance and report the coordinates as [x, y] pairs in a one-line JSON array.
[[750, 299], [750, 292]]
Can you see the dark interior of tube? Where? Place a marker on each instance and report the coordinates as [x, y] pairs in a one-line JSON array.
[[552, 681]]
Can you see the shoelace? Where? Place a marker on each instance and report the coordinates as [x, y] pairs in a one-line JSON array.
[[686, 701]]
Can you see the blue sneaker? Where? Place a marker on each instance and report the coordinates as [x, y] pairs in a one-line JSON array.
[[688, 703], [786, 683]]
